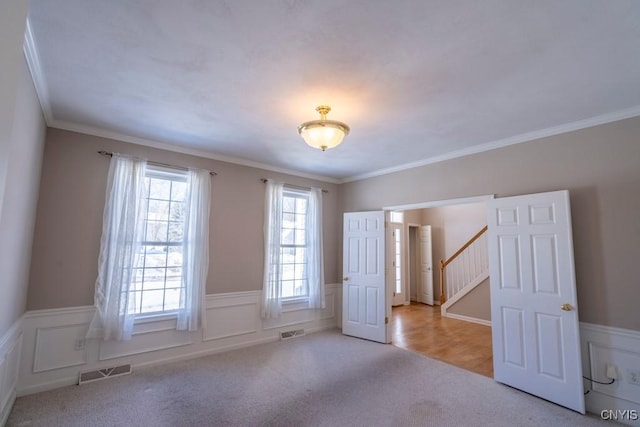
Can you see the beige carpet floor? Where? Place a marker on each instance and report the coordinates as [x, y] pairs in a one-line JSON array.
[[323, 379]]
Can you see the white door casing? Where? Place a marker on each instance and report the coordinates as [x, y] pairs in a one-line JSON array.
[[536, 342], [396, 271], [365, 308], [426, 265]]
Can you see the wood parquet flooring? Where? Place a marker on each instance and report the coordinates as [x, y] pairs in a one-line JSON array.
[[420, 328]]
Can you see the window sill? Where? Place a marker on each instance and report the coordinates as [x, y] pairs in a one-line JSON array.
[[155, 317], [294, 300]]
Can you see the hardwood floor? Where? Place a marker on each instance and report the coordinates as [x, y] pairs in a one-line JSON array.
[[420, 328]]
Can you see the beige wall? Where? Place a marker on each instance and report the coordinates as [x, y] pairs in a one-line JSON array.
[[24, 156], [600, 166], [476, 304], [451, 227], [69, 220], [456, 224]]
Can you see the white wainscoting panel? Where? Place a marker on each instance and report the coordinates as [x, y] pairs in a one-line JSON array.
[[293, 314], [60, 346], [146, 337], [54, 352], [331, 301], [620, 348], [232, 314], [44, 366], [10, 347]]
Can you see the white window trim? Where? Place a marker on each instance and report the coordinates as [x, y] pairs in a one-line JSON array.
[[160, 172], [293, 301]]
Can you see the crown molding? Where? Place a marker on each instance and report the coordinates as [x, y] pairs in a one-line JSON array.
[[517, 139], [95, 131], [440, 203], [39, 82]]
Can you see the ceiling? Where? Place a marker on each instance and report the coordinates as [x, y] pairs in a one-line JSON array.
[[416, 81]]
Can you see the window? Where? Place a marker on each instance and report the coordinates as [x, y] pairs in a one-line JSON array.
[[397, 259], [397, 216], [158, 278], [293, 245], [293, 267], [154, 250]]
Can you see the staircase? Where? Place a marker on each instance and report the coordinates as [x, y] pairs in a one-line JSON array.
[[464, 270]]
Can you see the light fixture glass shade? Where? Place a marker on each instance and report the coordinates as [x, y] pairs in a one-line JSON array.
[[323, 133]]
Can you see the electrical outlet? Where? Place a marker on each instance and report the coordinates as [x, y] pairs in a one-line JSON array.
[[633, 377], [80, 342]]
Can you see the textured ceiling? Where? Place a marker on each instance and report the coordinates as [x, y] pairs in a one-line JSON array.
[[414, 79]]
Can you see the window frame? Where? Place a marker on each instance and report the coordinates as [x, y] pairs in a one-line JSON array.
[[396, 216], [173, 175], [291, 301]]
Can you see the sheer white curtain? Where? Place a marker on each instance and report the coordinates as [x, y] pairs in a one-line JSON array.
[[315, 260], [122, 231], [272, 288], [195, 250]]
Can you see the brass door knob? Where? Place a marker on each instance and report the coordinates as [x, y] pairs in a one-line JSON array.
[[566, 306], [345, 278]]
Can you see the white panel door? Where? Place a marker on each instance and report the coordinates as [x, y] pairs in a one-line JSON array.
[[426, 265], [364, 294], [534, 315]]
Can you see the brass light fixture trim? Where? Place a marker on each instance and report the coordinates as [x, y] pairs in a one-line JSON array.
[[323, 133]]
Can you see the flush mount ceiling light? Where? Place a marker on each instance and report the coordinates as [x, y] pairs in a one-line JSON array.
[[323, 133]]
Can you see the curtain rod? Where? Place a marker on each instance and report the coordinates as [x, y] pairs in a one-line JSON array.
[[295, 186], [182, 168]]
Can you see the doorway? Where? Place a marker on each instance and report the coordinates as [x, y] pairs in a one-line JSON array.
[[533, 293], [419, 327]]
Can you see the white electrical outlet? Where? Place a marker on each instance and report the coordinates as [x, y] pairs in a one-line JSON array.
[[633, 377]]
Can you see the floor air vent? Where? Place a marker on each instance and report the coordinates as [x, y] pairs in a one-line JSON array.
[[102, 374], [291, 334]]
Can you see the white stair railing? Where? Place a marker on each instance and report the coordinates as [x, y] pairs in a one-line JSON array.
[[465, 266]]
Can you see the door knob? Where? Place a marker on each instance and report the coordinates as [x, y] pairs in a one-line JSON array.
[[345, 278], [566, 306]]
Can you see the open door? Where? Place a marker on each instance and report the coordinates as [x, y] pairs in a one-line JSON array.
[[426, 265], [534, 315], [364, 295]]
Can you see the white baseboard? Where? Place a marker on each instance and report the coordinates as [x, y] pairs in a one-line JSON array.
[[467, 318], [602, 346], [211, 351], [231, 321], [10, 347]]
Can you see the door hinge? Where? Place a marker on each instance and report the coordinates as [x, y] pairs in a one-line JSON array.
[[386, 320]]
